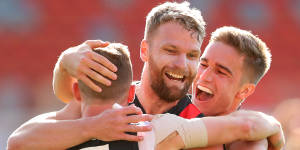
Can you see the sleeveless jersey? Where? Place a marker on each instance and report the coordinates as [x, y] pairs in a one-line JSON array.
[[184, 108]]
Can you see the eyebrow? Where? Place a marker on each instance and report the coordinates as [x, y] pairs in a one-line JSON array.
[[219, 65], [171, 46], [225, 68], [176, 48]]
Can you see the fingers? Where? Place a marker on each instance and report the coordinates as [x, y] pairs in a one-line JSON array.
[[96, 43], [277, 141], [104, 61], [139, 118], [89, 83], [92, 73], [129, 110], [96, 76], [137, 128], [129, 137], [105, 67]]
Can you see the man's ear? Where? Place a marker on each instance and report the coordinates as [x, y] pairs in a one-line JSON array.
[[246, 90], [76, 92], [129, 98], [144, 48]]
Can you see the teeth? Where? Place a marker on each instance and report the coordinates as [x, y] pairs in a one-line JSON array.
[[175, 75], [204, 89]]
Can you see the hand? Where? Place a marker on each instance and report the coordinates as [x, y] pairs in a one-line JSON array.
[[112, 124], [276, 141], [82, 63], [260, 126]]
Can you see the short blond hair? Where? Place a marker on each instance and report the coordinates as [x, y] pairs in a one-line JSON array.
[[190, 18], [257, 54]]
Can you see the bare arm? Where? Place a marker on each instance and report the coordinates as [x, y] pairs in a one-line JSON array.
[[241, 125], [49, 133], [49, 128], [250, 126], [80, 62], [219, 130]]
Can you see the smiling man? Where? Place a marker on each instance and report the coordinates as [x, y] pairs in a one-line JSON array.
[[170, 51], [165, 82], [231, 66]]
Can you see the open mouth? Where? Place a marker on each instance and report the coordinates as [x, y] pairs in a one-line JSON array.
[[203, 93], [175, 76]]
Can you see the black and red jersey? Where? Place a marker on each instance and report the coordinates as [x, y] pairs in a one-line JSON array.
[[184, 108]]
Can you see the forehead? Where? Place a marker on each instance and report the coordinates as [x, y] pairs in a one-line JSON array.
[[223, 54], [175, 34]]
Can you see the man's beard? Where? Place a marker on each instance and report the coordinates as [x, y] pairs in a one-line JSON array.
[[158, 85]]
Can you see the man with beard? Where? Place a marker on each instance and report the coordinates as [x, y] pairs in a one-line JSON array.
[[170, 51], [232, 64], [173, 35], [200, 132]]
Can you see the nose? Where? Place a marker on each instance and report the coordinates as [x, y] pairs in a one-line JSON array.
[[181, 62], [205, 74]]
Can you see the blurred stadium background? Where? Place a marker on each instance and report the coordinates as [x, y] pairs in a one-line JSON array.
[[33, 33]]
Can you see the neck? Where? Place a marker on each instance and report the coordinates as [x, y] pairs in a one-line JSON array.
[[89, 110], [150, 101], [70, 111], [234, 107]]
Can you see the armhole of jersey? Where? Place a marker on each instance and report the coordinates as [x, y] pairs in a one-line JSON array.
[[190, 111], [131, 95]]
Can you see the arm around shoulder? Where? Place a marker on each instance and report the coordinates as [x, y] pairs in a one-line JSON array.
[[41, 132]]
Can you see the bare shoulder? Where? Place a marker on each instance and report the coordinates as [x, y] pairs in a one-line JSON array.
[[45, 116], [70, 111]]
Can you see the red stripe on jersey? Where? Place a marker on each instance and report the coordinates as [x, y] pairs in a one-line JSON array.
[[191, 111], [131, 94]]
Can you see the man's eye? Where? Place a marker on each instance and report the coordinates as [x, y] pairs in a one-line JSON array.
[[193, 55], [170, 51], [203, 65], [220, 72]]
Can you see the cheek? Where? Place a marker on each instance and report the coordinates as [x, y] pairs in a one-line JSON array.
[[194, 89], [199, 72], [224, 88], [164, 59], [193, 66], [224, 100]]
